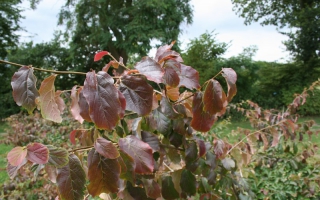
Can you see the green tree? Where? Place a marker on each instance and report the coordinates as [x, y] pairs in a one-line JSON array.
[[202, 52], [122, 27], [301, 17]]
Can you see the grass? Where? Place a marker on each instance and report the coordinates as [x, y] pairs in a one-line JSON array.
[[4, 149]]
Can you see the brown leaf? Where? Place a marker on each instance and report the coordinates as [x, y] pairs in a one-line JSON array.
[[151, 69], [215, 100], [75, 108], [231, 77], [106, 148], [189, 77]]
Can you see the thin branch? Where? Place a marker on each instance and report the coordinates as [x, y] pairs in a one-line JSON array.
[[253, 134], [120, 63], [81, 149], [183, 99], [11, 63]]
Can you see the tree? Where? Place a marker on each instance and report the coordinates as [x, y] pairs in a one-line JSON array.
[[301, 17], [122, 27], [202, 52]]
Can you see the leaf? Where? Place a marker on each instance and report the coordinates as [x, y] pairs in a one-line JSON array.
[[127, 173], [189, 77], [52, 172], [75, 108], [231, 77], [17, 156], [202, 121], [151, 69], [24, 93], [103, 174], [99, 55], [172, 93], [172, 70], [202, 147], [49, 107], [141, 153], [162, 49], [37, 153], [13, 170], [151, 139], [84, 107], [214, 99], [152, 188], [106, 148], [85, 137], [102, 96], [164, 125], [59, 101], [176, 179], [71, 179], [167, 190], [228, 163], [170, 54], [58, 157], [138, 94], [188, 183]]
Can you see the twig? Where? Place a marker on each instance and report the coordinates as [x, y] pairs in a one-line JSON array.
[[81, 149], [183, 99]]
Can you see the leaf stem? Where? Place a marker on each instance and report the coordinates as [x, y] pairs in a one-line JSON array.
[[282, 121], [183, 99], [81, 149], [120, 63]]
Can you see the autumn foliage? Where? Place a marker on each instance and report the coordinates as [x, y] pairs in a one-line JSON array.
[[148, 133]]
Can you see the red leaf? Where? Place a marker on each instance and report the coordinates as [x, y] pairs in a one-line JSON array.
[[106, 148], [99, 55], [189, 77], [71, 179], [49, 107], [231, 78], [123, 103], [38, 153], [84, 107], [215, 100], [103, 174], [24, 93], [138, 94], [75, 108], [151, 69], [169, 54], [17, 156], [105, 108], [140, 151], [202, 121], [202, 148], [163, 49], [172, 70], [152, 188]]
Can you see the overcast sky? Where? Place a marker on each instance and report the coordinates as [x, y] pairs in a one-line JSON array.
[[209, 15]]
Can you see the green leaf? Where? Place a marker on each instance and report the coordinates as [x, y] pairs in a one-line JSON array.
[[168, 191], [105, 108], [202, 121], [138, 94], [150, 68], [75, 108], [191, 156], [37, 153], [48, 105], [24, 93], [151, 139], [214, 99], [231, 77], [164, 125], [103, 174], [189, 77], [58, 157], [141, 153], [228, 163], [71, 179], [17, 156], [106, 148], [188, 183]]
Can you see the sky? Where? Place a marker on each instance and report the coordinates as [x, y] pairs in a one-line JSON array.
[[208, 15]]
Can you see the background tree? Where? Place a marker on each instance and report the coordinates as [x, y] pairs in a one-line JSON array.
[[122, 27], [301, 17]]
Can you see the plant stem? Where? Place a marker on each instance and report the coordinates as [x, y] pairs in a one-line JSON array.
[[183, 99], [117, 61], [81, 149]]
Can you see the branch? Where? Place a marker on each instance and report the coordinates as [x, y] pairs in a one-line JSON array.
[[81, 149], [183, 99]]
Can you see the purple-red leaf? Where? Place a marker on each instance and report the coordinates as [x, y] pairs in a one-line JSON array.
[[13, 170], [202, 120], [189, 77], [17, 156], [215, 100], [172, 70], [106, 148], [151, 69], [37, 153], [169, 54], [138, 94], [75, 108], [152, 188], [24, 93], [105, 108], [103, 174], [71, 179], [84, 106], [140, 151], [161, 50], [231, 77], [48, 105], [99, 55]]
